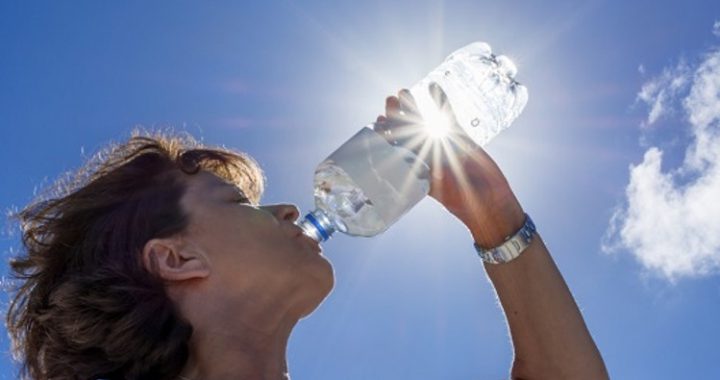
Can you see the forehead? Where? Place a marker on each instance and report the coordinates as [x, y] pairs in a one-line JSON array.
[[205, 183]]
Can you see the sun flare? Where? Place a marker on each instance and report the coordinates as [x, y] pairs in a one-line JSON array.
[[437, 124]]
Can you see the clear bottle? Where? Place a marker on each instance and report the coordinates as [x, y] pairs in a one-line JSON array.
[[367, 184], [480, 87]]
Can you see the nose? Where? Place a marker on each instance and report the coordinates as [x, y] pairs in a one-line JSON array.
[[286, 212]]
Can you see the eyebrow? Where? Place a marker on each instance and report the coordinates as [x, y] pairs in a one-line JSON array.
[[230, 186], [223, 185]]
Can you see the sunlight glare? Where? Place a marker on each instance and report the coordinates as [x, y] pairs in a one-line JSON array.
[[437, 123]]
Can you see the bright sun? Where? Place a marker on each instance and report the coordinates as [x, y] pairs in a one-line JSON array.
[[437, 123]]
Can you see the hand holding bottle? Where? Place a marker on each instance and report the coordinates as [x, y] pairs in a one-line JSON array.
[[373, 179], [464, 178]]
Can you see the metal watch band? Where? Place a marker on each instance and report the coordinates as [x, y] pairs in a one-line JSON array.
[[512, 247]]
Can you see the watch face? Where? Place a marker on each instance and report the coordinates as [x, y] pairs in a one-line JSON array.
[[529, 223]]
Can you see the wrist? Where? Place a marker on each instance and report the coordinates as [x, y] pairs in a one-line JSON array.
[[493, 228], [512, 247]]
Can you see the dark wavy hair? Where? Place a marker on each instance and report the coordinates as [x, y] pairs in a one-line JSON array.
[[85, 306]]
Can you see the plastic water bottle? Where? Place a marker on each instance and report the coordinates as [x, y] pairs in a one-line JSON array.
[[480, 87], [367, 184]]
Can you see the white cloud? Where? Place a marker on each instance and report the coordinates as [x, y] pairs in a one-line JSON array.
[[716, 28], [660, 93], [670, 224]]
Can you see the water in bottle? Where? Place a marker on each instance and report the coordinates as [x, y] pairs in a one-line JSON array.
[[364, 187]]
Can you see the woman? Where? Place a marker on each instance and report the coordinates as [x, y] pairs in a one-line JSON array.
[[156, 262]]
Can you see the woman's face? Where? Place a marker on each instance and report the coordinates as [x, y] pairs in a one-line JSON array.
[[256, 252]]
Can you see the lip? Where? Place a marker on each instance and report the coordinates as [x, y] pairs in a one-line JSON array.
[[310, 240], [315, 244]]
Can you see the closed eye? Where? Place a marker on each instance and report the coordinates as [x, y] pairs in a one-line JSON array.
[[242, 200], [237, 195]]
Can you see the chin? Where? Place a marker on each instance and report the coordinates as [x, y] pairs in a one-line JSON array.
[[320, 286]]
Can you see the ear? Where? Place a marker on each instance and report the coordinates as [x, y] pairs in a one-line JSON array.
[[174, 260]]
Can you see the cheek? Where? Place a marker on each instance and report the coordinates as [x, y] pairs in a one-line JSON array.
[[228, 225], [248, 248], [248, 240]]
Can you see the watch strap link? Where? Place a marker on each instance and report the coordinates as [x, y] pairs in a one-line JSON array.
[[512, 247]]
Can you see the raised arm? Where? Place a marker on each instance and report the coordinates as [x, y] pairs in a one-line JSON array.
[[548, 332]]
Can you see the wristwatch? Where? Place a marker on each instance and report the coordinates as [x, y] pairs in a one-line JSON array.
[[512, 247]]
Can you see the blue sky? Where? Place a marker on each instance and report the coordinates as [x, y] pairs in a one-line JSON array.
[[614, 86]]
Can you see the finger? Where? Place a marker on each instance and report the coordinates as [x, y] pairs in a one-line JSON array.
[[395, 112], [407, 101], [457, 136], [400, 124], [409, 107], [392, 107], [381, 126], [437, 94], [441, 100]]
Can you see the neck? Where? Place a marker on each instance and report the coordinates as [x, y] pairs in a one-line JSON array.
[[242, 353], [235, 345]]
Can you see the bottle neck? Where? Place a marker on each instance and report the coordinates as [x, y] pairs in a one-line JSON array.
[[317, 225]]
